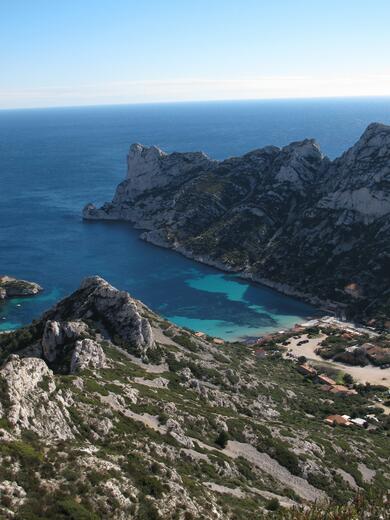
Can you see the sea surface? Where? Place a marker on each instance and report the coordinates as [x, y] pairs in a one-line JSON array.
[[53, 161]]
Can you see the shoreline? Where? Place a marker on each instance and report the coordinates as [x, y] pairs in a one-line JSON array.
[[285, 289], [151, 236]]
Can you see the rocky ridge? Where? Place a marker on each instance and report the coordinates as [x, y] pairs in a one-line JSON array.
[[109, 411], [287, 217]]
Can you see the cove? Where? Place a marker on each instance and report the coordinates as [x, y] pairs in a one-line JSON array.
[[54, 161]]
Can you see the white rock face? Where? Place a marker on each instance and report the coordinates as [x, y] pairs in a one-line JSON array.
[[33, 402], [177, 432], [14, 493], [87, 354], [370, 205], [150, 167], [298, 161], [56, 334], [359, 181], [117, 310], [121, 312]]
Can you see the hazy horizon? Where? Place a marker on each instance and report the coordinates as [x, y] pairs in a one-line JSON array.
[[204, 101]]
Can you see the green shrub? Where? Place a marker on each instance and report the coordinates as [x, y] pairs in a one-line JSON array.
[[185, 341], [75, 511], [273, 504], [222, 439]]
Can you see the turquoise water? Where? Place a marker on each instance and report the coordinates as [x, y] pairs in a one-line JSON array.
[[234, 289], [53, 161]]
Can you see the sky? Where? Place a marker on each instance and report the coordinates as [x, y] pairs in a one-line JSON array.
[[87, 52]]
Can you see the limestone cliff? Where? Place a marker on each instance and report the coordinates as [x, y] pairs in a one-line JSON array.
[[288, 217]]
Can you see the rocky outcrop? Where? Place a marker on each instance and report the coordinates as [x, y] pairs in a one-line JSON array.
[[57, 334], [288, 217], [63, 337], [13, 288], [87, 354], [31, 399], [119, 314]]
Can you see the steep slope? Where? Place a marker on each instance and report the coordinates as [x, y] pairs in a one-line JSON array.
[[109, 411], [287, 217]]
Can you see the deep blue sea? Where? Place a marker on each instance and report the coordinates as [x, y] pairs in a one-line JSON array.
[[53, 161]]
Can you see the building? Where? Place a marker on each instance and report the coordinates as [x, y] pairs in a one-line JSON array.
[[367, 346], [362, 423], [323, 378], [260, 353], [338, 420], [218, 341], [342, 390], [307, 370], [200, 334], [353, 348], [376, 354]]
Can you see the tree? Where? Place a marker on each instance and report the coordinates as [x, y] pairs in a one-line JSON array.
[[222, 439], [348, 379]]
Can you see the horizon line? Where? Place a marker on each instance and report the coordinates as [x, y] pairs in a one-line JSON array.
[[200, 101]]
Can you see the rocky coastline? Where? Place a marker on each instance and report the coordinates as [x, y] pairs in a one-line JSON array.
[[288, 218], [11, 287]]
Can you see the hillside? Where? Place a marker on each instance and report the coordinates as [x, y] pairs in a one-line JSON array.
[[287, 217], [109, 411]]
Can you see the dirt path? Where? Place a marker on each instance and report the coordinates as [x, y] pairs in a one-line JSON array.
[[235, 492], [284, 501], [158, 382]]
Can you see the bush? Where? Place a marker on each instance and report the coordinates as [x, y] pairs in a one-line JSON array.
[[163, 417], [348, 379], [286, 458], [273, 504], [222, 439], [76, 511], [185, 341]]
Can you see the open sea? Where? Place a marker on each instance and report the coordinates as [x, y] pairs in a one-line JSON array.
[[53, 161]]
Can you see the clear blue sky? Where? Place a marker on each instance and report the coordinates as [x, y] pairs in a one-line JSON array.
[[70, 52]]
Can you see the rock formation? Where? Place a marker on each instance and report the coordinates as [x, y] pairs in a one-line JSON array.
[[288, 217], [13, 288], [31, 400], [118, 313]]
